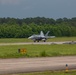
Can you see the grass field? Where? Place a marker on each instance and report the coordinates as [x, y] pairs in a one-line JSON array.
[[49, 73], [11, 51], [12, 40]]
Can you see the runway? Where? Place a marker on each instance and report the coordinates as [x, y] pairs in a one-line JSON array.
[[28, 43], [23, 65]]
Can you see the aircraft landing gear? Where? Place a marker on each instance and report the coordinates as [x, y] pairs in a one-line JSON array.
[[37, 40], [34, 40], [44, 40]]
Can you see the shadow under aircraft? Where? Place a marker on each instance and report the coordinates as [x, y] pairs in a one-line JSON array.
[[40, 37]]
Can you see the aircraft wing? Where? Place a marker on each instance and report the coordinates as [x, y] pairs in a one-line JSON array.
[[50, 36]]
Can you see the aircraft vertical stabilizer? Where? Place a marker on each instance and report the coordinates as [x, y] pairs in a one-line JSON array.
[[42, 34], [47, 33]]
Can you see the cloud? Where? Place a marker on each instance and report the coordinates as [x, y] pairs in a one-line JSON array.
[[11, 2]]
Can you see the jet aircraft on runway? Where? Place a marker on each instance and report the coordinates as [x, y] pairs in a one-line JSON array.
[[40, 37]]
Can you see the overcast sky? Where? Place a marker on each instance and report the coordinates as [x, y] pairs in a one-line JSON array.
[[34, 8]]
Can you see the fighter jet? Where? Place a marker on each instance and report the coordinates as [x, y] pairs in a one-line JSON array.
[[39, 37]]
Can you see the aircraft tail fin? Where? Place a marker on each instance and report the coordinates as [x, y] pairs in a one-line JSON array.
[[41, 33], [47, 33]]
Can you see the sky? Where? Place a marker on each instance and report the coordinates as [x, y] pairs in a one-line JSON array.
[[38, 8]]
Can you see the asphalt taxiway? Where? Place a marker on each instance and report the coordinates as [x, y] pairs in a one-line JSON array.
[[27, 43], [23, 65]]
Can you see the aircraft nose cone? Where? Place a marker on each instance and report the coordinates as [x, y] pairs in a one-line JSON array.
[[30, 37]]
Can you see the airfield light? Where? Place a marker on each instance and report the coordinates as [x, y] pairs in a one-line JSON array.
[[66, 68]]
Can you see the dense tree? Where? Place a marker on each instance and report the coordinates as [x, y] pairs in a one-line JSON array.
[[20, 28]]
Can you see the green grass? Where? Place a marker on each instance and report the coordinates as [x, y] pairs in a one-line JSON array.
[[12, 40], [50, 73], [62, 39], [11, 51]]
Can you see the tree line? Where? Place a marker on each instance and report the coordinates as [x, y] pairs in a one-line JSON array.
[[23, 28]]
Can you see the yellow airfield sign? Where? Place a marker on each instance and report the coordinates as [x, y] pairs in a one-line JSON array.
[[23, 50]]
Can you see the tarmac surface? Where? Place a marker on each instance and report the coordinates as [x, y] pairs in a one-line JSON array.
[[23, 65], [27, 43]]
